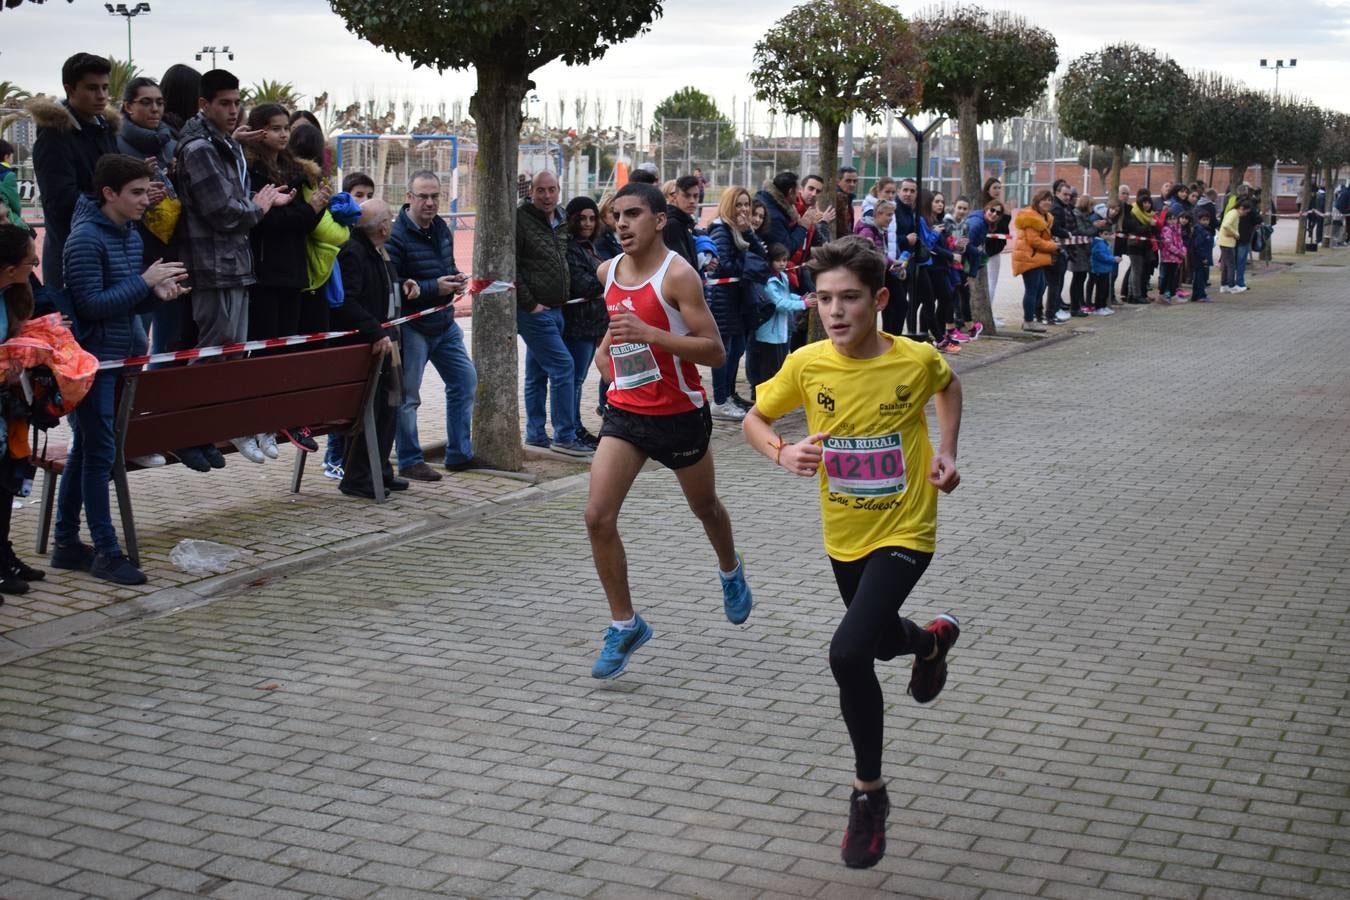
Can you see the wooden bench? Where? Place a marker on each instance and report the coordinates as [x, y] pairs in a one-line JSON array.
[[330, 390]]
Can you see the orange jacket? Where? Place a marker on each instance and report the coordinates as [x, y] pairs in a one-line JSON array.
[[1034, 247]]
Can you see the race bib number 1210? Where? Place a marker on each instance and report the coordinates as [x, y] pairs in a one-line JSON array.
[[865, 466]]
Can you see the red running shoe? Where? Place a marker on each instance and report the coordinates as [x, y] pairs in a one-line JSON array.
[[865, 839], [929, 675]]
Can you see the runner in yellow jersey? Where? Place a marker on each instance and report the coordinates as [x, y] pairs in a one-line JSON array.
[[864, 392]]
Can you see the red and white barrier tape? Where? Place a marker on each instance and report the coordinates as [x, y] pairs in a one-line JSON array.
[[293, 340]]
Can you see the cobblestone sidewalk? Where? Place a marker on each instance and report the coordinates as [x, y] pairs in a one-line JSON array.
[[1148, 551]]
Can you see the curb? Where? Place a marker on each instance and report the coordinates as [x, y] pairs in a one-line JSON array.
[[33, 639]]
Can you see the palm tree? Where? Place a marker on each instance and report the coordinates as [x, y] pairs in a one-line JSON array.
[[12, 97], [267, 91], [123, 71]]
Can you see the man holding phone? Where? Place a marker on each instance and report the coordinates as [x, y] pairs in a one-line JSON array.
[[421, 248]]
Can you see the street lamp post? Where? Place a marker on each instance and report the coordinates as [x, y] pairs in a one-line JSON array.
[[1277, 65], [212, 51], [129, 13]]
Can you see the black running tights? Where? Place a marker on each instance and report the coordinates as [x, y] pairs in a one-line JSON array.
[[873, 588]]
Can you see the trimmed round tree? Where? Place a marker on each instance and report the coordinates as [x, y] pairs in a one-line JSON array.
[[1121, 95], [982, 66], [1242, 133], [1200, 139], [831, 61], [504, 42]]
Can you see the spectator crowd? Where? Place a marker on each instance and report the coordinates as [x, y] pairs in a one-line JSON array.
[[182, 220]]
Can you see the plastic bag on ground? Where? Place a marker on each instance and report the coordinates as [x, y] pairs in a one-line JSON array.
[[203, 557]]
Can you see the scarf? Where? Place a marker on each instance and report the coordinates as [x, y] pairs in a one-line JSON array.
[[1141, 217]]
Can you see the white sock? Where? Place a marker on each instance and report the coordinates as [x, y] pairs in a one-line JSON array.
[[626, 624], [727, 576]]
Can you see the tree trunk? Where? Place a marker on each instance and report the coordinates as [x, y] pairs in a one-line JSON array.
[[827, 148], [1113, 184], [1304, 204], [968, 128], [496, 411], [1192, 167], [1237, 174], [1177, 157], [1267, 198], [1328, 179]]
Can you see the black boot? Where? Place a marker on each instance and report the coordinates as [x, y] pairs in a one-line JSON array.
[[17, 567]]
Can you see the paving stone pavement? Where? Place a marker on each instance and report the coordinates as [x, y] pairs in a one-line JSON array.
[[1148, 551]]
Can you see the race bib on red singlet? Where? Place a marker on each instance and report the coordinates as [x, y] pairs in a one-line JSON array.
[[865, 466], [634, 365]]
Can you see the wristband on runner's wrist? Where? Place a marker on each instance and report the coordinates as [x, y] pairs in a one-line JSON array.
[[778, 450]]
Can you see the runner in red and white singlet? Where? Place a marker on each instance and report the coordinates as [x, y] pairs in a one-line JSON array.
[[659, 330], [647, 379]]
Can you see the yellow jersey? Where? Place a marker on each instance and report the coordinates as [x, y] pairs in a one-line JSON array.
[[874, 489]]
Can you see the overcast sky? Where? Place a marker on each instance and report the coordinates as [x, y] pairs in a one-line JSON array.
[[705, 43]]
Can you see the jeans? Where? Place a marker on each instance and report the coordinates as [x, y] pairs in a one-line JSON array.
[[88, 471], [1054, 285], [446, 352], [166, 327], [762, 362], [332, 455], [1243, 251], [1077, 288], [548, 367], [1033, 282], [1170, 279], [724, 376], [1227, 266], [897, 308], [1200, 283], [583, 360]]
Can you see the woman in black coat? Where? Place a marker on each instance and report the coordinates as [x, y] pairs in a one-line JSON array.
[[585, 323]]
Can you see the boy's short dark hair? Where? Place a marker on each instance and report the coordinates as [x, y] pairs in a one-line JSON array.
[[116, 171], [854, 253], [215, 81], [82, 64], [356, 180], [642, 176], [647, 193], [6, 148], [776, 252], [686, 183]]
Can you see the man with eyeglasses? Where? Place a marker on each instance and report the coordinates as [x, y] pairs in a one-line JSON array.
[[422, 248]]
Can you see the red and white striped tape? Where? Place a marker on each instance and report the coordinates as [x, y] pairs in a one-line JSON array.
[[293, 340]]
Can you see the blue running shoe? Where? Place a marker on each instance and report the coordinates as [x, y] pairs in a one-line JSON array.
[[619, 645], [736, 598]]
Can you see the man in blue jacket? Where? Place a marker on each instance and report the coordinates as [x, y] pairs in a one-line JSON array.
[[102, 262], [422, 248]]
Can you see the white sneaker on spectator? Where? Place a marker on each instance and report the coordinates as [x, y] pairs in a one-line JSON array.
[[248, 448], [1063, 316], [267, 443], [150, 460], [728, 411]]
